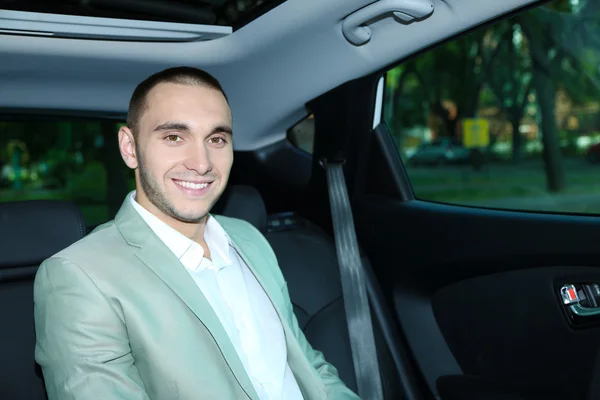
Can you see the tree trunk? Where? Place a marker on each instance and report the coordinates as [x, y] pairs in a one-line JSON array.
[[546, 98], [448, 126], [517, 140], [545, 90]]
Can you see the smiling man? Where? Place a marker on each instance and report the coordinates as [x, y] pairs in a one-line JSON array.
[[169, 301]]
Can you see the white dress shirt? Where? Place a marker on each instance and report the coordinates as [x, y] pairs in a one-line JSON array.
[[239, 301]]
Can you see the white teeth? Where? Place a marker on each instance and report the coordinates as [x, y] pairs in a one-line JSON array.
[[190, 185]]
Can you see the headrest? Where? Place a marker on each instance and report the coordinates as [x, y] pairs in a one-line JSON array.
[[243, 202], [31, 231]]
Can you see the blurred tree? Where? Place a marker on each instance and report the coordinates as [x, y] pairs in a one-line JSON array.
[[403, 101], [553, 47], [65, 135], [559, 37], [509, 77], [447, 80], [452, 74]]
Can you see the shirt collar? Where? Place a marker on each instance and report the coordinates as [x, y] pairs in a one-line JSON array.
[[186, 250]]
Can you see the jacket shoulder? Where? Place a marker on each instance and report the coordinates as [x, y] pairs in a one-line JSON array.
[[239, 228], [248, 237], [98, 241]]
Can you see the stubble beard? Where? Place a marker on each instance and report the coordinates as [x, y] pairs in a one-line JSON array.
[[159, 199]]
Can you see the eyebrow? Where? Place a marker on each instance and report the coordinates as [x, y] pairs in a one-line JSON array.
[[172, 126], [182, 126], [222, 129]]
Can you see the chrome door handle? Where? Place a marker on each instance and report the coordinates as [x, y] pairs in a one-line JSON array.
[[581, 311], [582, 300]]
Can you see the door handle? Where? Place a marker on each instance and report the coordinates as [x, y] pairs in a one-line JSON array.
[[581, 311], [582, 301]]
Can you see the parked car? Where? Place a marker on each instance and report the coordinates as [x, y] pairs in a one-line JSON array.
[[440, 151]]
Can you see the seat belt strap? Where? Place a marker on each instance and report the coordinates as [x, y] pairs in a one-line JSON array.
[[354, 290]]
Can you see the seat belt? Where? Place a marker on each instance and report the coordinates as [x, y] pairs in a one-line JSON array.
[[354, 290]]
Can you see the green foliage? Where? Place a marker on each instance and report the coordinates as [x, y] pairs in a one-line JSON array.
[[492, 66], [564, 6]]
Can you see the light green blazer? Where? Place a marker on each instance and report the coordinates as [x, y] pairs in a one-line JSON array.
[[117, 316]]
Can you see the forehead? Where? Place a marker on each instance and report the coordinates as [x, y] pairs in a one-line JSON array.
[[185, 103]]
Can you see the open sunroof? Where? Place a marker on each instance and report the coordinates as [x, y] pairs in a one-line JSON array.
[[233, 13]]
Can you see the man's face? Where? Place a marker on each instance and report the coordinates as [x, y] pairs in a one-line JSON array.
[[183, 151]]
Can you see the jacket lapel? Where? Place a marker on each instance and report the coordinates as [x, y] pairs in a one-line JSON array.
[[158, 258], [253, 256], [256, 263]]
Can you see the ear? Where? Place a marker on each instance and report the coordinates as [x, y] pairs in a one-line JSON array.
[[127, 147]]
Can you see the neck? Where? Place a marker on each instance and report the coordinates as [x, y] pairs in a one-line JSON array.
[[192, 230]]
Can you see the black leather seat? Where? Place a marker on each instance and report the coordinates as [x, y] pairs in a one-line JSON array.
[[308, 260], [30, 232]]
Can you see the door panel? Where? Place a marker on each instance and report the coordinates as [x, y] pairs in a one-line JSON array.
[[476, 291], [512, 326]]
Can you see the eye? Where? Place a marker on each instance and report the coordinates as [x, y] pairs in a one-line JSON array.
[[173, 138], [217, 140]]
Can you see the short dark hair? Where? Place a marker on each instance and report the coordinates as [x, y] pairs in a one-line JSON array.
[[188, 76]]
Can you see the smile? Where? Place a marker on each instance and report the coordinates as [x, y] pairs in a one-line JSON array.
[[191, 185]]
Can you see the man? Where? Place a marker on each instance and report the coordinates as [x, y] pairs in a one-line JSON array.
[[168, 301]]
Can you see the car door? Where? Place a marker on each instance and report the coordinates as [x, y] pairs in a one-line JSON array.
[[493, 273]]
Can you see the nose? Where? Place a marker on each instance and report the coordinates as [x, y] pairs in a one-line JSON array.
[[198, 159]]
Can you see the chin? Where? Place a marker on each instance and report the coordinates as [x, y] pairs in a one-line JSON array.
[[191, 214], [190, 218]]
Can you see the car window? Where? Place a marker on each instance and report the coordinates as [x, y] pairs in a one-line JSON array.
[[519, 100], [74, 160], [236, 13], [302, 135]]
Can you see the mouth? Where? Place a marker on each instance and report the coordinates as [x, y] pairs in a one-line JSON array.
[[193, 188]]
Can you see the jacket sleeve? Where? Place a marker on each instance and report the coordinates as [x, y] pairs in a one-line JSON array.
[[81, 340]]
